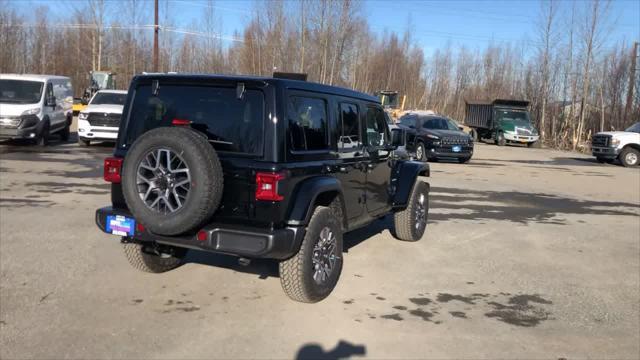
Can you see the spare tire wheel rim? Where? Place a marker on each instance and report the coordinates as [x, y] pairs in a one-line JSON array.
[[163, 180], [324, 256]]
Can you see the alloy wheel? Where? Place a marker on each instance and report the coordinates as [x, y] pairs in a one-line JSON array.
[[163, 180], [325, 256]]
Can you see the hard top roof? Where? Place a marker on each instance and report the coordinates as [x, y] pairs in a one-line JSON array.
[[288, 83]]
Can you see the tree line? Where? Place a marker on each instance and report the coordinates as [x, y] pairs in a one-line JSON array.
[[578, 83]]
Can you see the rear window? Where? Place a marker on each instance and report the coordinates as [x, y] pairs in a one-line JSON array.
[[231, 124]]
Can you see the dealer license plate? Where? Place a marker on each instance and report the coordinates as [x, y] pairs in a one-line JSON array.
[[456, 149], [121, 225]]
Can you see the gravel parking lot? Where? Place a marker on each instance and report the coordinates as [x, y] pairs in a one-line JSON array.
[[529, 253]]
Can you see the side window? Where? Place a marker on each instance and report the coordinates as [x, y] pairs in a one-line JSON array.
[[408, 121], [307, 123], [349, 131], [377, 130]]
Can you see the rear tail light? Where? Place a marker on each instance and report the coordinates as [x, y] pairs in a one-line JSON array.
[[112, 167], [180, 122], [267, 186]]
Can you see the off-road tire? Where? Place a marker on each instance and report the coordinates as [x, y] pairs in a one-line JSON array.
[[296, 273], [629, 151], [144, 260], [500, 140], [404, 221], [206, 180], [65, 133], [83, 142]]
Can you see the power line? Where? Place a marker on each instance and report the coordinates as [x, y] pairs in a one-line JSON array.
[[131, 27]]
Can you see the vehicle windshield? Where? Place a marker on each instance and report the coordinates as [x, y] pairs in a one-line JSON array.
[[20, 91], [231, 124], [105, 98], [634, 128], [100, 79], [512, 115], [438, 124]]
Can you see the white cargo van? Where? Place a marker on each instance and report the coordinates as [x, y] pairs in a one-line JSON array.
[[35, 106]]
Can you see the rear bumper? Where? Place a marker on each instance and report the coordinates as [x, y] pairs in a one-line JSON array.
[[605, 152], [223, 238]]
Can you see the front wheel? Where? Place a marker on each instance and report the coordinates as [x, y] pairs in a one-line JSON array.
[[629, 157], [311, 274], [83, 142], [146, 259], [464, 160], [410, 223], [500, 140], [420, 152], [43, 138], [66, 132]]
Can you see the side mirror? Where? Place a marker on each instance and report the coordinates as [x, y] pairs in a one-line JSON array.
[[51, 101], [460, 128], [398, 137]]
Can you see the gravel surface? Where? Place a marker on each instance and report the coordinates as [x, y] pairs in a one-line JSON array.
[[529, 253]]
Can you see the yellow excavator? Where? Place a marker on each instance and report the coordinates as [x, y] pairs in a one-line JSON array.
[[391, 104], [99, 80]]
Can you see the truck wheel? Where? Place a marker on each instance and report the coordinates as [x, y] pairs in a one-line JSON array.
[[410, 223], [500, 140], [172, 180], [66, 132], [474, 135], [146, 260], [83, 142], [421, 152], [311, 274], [630, 157], [43, 138]]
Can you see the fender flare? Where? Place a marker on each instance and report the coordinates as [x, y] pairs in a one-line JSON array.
[[307, 194], [405, 175]]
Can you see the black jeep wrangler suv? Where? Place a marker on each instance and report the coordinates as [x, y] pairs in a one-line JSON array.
[[256, 168]]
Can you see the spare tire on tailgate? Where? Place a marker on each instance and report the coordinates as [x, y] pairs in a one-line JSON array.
[[172, 180]]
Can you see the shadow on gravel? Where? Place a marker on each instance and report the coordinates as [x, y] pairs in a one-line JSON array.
[[264, 268], [344, 350], [518, 207]]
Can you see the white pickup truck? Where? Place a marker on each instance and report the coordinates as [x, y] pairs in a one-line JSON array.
[[622, 145]]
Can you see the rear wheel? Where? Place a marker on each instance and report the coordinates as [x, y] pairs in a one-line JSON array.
[[410, 223], [148, 259], [311, 274], [630, 157]]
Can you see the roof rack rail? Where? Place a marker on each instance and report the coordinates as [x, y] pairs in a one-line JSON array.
[[290, 76]]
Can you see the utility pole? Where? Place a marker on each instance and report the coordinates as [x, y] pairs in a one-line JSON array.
[[155, 39], [632, 81]]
